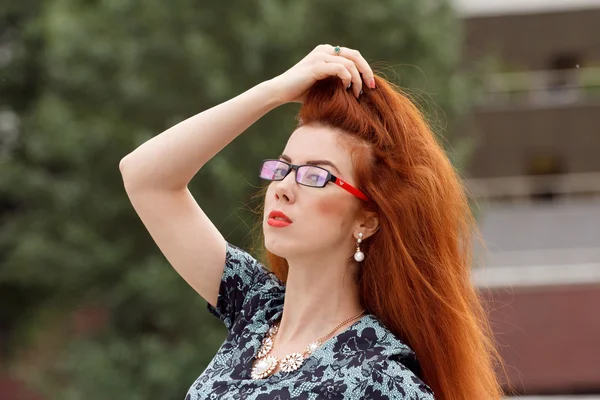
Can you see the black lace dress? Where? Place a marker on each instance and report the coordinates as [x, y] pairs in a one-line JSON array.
[[365, 361]]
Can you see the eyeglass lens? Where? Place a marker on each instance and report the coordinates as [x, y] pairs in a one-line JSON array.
[[307, 175]]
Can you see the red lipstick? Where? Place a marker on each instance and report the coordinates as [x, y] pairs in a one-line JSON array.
[[278, 219]]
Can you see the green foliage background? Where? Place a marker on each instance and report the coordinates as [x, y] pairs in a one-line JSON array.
[[83, 83]]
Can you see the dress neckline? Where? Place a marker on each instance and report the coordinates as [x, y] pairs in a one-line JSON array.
[[325, 345]]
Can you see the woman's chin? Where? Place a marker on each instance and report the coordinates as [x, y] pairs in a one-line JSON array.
[[278, 247]]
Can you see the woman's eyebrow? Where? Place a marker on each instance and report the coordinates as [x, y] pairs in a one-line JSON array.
[[312, 162]]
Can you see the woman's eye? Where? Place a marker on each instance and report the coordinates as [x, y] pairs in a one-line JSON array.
[[280, 172]]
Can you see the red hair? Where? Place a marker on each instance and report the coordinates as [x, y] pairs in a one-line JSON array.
[[416, 274]]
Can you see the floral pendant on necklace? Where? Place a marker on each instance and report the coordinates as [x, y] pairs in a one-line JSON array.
[[264, 368], [266, 347], [291, 362]]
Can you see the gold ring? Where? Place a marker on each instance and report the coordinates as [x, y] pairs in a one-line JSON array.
[[337, 50]]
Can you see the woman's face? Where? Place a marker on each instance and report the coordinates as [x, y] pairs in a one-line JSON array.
[[321, 217]]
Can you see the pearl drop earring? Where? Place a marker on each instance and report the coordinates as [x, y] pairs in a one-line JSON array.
[[359, 255]]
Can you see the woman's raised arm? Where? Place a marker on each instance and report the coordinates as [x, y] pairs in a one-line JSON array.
[[157, 173]]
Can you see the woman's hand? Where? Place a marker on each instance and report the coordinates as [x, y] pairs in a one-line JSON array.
[[319, 64]]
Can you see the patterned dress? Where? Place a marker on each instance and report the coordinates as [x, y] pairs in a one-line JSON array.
[[365, 361]]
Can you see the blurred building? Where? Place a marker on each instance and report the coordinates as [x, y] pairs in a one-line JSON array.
[[536, 175]]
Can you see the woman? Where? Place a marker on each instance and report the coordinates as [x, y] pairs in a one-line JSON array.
[[366, 231]]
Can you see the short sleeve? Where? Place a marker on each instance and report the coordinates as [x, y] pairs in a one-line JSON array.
[[243, 276], [392, 380]]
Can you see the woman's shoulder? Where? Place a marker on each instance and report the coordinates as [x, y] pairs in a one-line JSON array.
[[248, 290], [392, 380], [249, 276], [371, 337], [392, 364]]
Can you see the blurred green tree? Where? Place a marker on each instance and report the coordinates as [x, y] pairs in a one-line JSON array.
[[85, 83]]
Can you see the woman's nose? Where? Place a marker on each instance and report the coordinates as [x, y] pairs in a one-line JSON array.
[[286, 187]]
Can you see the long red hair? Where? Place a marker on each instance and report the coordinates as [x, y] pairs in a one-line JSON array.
[[416, 274]]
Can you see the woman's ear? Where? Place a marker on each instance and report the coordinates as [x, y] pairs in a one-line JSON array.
[[368, 224]]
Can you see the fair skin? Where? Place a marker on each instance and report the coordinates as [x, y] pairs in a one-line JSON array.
[[321, 290]]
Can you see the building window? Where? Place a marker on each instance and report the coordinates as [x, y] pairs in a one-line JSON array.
[[545, 168], [562, 79]]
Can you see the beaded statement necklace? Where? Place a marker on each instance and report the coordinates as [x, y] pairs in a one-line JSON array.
[[267, 364]]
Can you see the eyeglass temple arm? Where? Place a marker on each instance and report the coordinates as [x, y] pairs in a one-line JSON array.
[[348, 187]]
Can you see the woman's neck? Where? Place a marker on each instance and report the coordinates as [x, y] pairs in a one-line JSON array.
[[316, 301]]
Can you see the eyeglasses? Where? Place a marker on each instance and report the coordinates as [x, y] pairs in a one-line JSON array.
[[307, 175]]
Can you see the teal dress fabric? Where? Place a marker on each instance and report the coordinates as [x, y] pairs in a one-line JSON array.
[[365, 361]]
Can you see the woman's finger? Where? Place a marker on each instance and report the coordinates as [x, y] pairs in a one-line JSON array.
[[323, 70], [356, 79], [359, 61]]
